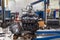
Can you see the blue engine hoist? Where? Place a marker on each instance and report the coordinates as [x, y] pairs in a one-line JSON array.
[[57, 33], [46, 4]]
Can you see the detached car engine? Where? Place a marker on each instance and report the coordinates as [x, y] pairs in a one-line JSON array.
[[30, 22], [29, 26]]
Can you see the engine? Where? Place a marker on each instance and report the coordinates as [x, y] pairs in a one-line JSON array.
[[29, 25], [30, 22]]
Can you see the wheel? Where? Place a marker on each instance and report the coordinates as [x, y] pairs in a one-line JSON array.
[[15, 37]]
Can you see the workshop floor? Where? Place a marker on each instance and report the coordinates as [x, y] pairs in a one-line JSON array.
[[9, 36]]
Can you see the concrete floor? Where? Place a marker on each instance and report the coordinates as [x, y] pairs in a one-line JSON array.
[[9, 35], [6, 35]]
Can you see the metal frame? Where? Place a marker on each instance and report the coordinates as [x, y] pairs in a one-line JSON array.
[[3, 10], [48, 32], [46, 4]]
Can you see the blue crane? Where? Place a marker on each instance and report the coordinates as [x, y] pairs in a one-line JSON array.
[[46, 4]]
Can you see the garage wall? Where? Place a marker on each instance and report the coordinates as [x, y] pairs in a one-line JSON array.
[[54, 4], [17, 5]]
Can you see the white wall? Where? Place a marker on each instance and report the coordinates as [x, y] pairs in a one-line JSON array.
[[39, 6], [20, 4], [54, 4], [17, 5]]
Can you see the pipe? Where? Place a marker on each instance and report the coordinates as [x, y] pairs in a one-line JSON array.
[[3, 11]]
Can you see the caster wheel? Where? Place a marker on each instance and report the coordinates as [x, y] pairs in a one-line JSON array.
[[15, 37]]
